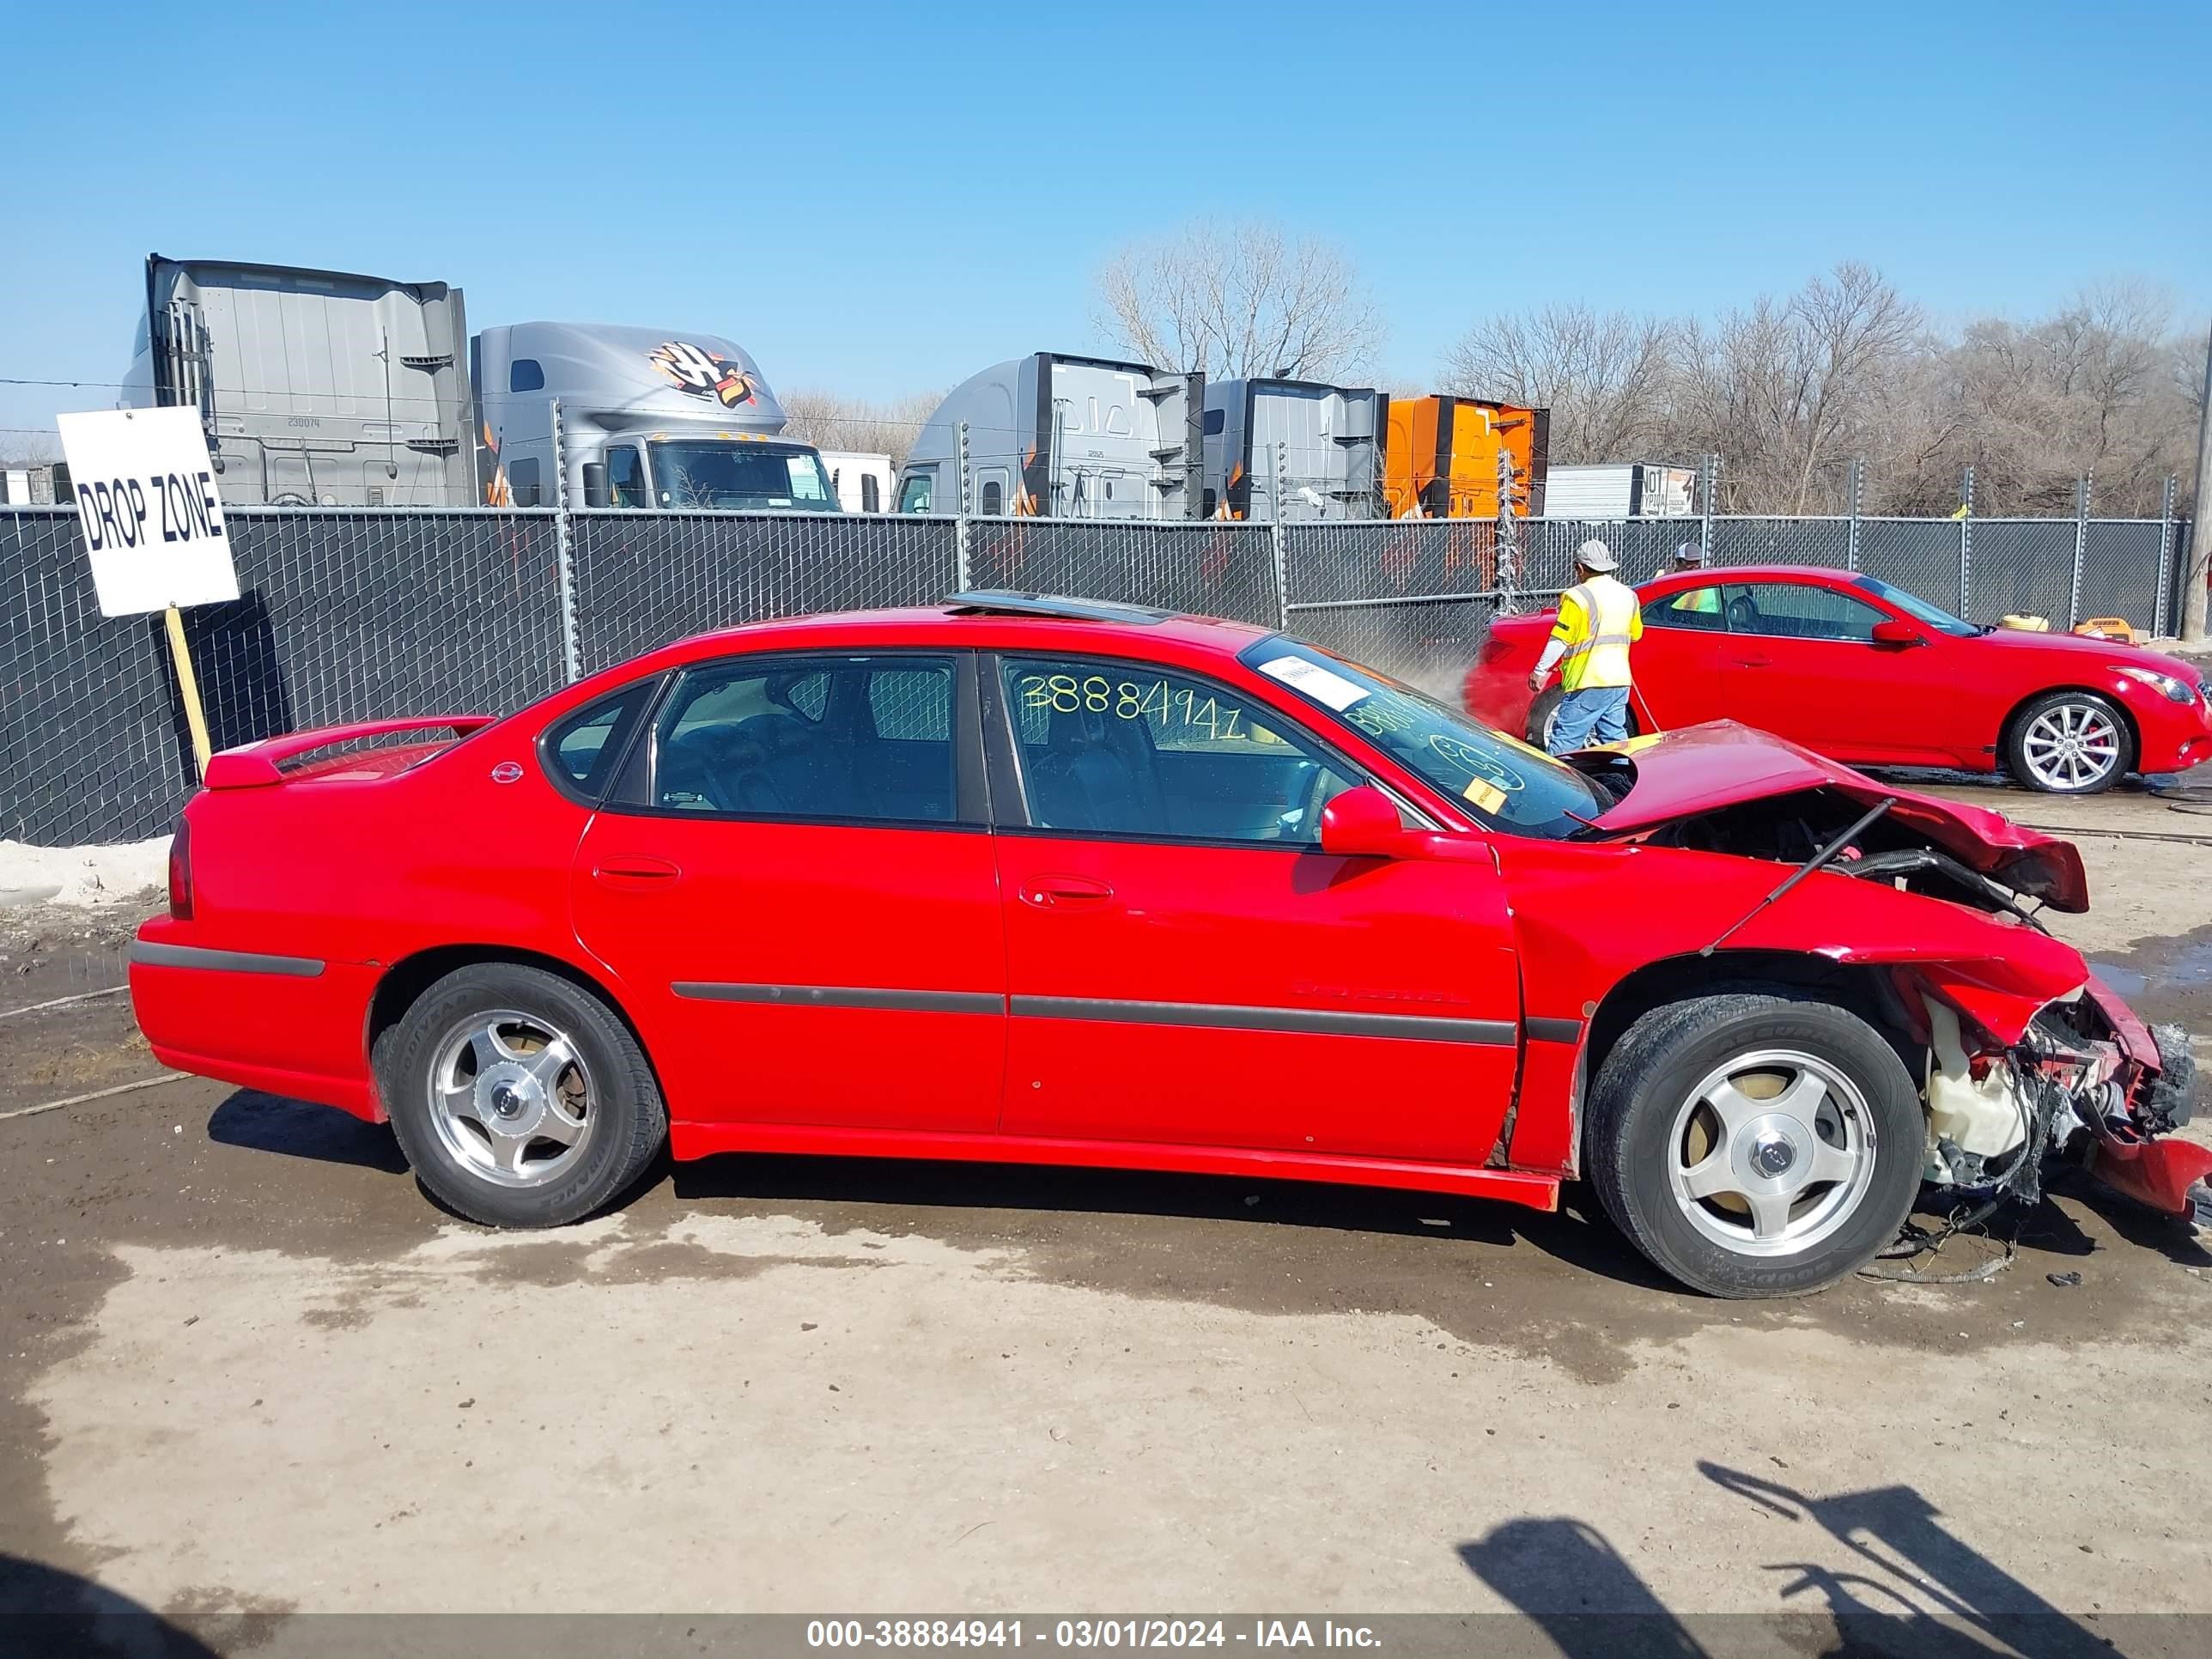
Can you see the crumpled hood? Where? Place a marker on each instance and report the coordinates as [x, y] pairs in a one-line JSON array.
[[1701, 769]]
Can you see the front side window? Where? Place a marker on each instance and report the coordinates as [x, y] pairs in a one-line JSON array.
[[626, 485], [1125, 749], [915, 493], [1799, 611], [863, 738], [1507, 782], [728, 476], [522, 482]]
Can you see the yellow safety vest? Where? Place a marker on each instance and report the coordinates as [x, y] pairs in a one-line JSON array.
[[1599, 619]]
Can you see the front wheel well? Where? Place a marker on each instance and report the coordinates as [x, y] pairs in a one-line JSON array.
[[1865, 991], [406, 980], [2127, 714]]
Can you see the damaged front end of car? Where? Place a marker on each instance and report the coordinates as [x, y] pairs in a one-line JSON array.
[[2082, 1079], [2023, 1054]]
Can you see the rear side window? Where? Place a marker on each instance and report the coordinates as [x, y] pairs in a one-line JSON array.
[[525, 374], [864, 739], [583, 750], [1694, 607], [993, 497]]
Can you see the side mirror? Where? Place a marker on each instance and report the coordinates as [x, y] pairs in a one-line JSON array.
[[595, 484], [1891, 631], [1362, 822]]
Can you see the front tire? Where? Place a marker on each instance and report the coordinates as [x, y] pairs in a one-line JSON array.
[[2070, 743], [518, 1098], [1755, 1146]]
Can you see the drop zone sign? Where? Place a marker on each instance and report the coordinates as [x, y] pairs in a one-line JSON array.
[[147, 504]]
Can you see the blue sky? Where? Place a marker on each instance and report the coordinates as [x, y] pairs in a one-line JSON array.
[[878, 199]]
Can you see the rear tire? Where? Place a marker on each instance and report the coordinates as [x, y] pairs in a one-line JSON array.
[[2070, 743], [1755, 1146], [518, 1098]]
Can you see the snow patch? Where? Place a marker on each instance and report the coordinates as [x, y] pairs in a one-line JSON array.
[[80, 875]]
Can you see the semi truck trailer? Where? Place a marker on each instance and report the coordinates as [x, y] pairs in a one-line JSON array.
[[1060, 436], [633, 417], [1627, 490], [1294, 450], [1441, 457], [316, 387]]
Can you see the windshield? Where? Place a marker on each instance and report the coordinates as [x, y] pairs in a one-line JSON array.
[[1505, 782], [1913, 605], [741, 476]]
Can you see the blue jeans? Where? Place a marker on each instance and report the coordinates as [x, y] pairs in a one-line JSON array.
[[1598, 715]]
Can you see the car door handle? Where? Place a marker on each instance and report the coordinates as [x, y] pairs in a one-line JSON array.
[[1063, 892], [1753, 662], [634, 872]]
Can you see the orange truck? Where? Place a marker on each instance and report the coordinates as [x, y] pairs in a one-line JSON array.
[[1441, 461]]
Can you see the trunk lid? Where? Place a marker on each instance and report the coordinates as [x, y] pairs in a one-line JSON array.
[[1702, 769], [283, 759]]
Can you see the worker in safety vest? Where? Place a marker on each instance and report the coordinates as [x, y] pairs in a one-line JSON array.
[[1698, 601], [1599, 619]]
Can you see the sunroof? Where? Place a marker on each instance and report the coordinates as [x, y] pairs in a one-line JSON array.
[[1005, 602]]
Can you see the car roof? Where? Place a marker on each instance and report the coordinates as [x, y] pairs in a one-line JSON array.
[[1704, 575], [981, 620]]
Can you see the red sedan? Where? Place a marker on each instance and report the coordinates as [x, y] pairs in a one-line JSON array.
[[1044, 881], [1865, 672]]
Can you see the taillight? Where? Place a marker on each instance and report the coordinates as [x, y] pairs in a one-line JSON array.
[[180, 872]]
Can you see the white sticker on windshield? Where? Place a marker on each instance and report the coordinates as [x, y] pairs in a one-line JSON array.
[[1316, 682]]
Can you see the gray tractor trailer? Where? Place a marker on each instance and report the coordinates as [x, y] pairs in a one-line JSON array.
[[1059, 436], [330, 389], [634, 418], [316, 387], [1294, 450]]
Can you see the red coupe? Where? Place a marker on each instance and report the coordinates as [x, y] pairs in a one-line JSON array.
[[1863, 671], [1046, 881]]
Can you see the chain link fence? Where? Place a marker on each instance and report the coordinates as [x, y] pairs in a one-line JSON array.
[[1213, 569], [351, 614], [644, 579]]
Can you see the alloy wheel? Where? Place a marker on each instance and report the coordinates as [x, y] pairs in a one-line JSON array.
[[1771, 1152], [511, 1098], [2071, 745]]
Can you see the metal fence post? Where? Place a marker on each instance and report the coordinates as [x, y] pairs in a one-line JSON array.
[[1965, 543], [960, 521], [2081, 489], [564, 560], [1280, 538], [1507, 563], [1858, 497], [2164, 559], [1709, 485]]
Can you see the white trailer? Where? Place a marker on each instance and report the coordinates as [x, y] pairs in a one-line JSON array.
[[862, 480], [1626, 490]]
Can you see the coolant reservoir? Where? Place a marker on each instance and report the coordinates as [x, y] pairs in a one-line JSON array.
[[1985, 1118]]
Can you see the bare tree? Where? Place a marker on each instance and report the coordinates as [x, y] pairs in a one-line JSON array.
[[1792, 389], [830, 420], [1240, 297], [1789, 390], [1603, 375]]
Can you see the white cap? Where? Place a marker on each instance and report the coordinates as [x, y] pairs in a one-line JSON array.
[[1595, 555]]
